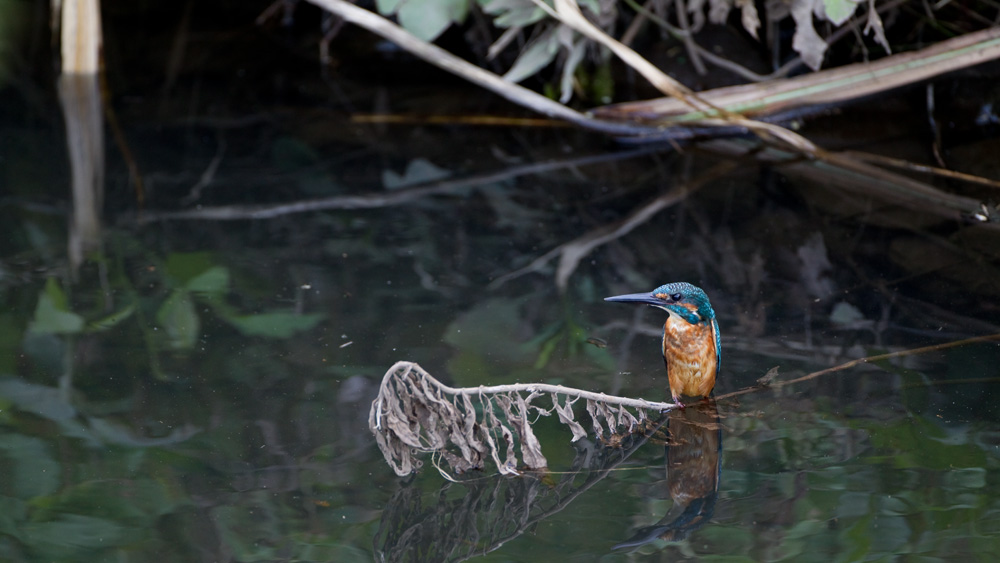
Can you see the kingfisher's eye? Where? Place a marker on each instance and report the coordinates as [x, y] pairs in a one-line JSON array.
[[676, 296]]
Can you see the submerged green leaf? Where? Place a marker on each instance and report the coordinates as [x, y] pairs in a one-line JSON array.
[[418, 171], [52, 314], [179, 319], [545, 354], [135, 503], [275, 325], [12, 512], [474, 337], [72, 537], [185, 266], [30, 470], [112, 320], [113, 433], [212, 280], [247, 536], [45, 401]]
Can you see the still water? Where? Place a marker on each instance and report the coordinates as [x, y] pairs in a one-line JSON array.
[[198, 387]]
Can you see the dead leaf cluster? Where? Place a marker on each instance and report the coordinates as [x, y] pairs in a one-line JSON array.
[[414, 413]]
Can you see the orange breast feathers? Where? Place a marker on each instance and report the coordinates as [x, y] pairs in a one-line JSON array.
[[689, 352]]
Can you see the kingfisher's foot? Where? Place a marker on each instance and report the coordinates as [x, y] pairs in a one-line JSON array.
[[679, 404]]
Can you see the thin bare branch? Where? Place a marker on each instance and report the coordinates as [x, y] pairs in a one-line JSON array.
[[824, 87], [922, 168], [888, 356], [531, 388]]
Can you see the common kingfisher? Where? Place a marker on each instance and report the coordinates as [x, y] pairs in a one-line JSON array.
[[692, 348]]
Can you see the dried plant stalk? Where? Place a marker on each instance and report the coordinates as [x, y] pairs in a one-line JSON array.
[[415, 413]]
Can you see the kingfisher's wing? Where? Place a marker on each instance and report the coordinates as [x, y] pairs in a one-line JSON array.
[[718, 346]]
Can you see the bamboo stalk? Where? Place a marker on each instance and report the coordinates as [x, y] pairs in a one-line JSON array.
[[823, 87]]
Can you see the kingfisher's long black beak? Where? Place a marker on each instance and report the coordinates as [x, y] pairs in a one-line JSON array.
[[646, 298]]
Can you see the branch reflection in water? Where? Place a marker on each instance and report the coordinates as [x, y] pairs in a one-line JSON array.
[[497, 509]]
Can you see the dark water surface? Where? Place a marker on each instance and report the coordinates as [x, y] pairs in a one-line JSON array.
[[198, 388]]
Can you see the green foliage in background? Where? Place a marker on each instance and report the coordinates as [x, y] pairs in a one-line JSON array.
[[427, 19], [484, 352], [544, 41], [96, 470], [195, 285]]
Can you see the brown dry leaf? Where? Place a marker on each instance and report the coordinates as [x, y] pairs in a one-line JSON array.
[[414, 413], [531, 449], [874, 26], [595, 420], [749, 17], [768, 377], [565, 412]]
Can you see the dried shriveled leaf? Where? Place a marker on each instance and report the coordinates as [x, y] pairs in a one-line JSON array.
[[718, 11], [609, 416], [626, 419], [531, 448], [399, 457], [696, 9], [471, 425], [768, 377], [401, 426], [509, 466], [576, 52], [515, 411], [749, 17], [874, 26], [414, 413], [565, 412], [806, 41], [595, 419]]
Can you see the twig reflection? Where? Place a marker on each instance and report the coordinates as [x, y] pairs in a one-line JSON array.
[[385, 198], [493, 510], [497, 509]]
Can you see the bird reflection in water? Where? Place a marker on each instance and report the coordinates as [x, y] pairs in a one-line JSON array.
[[693, 463]]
